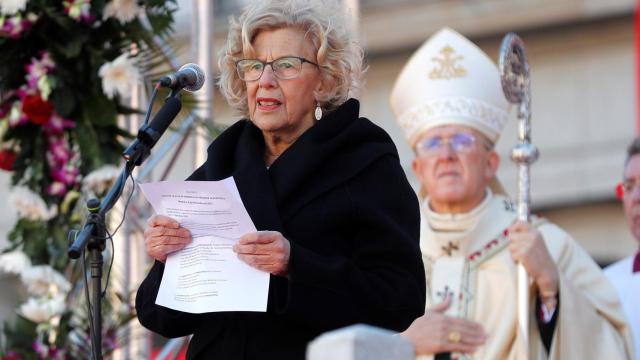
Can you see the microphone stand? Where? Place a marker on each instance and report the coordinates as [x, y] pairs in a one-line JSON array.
[[94, 233]]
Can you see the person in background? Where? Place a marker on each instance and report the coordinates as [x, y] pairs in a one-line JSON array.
[[338, 223], [449, 102], [625, 274]]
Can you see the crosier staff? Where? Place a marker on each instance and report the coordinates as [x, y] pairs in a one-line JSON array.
[[516, 85]]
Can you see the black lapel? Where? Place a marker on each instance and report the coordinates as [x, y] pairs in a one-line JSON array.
[[336, 149], [238, 152], [254, 183]]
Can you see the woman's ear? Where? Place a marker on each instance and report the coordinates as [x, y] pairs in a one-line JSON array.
[[324, 86]]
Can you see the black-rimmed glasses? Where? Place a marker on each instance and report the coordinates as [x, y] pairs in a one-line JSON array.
[[287, 67]]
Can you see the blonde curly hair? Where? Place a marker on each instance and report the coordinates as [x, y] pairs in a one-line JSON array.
[[325, 22]]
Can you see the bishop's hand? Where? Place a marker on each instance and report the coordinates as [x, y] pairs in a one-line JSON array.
[[527, 247], [434, 332]]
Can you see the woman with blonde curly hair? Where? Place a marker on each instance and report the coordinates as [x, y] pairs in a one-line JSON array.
[[337, 220]]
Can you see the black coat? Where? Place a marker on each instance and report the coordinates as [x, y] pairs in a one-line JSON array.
[[339, 195]]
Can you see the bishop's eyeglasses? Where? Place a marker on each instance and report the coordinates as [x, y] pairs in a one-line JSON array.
[[284, 68], [459, 142]]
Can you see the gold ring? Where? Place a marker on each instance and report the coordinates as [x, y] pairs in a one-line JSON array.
[[454, 337]]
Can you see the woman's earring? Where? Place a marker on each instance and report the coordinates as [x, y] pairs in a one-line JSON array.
[[318, 112]]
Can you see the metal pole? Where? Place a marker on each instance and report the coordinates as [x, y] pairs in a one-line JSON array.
[[128, 252], [352, 7], [516, 85], [203, 52]]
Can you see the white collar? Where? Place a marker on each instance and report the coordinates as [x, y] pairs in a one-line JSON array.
[[461, 222]]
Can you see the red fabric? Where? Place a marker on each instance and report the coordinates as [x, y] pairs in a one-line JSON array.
[[182, 355], [619, 191], [541, 314], [636, 263]]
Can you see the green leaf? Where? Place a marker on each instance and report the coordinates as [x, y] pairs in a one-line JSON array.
[[160, 23], [100, 111], [33, 236], [21, 334], [63, 100], [72, 47], [88, 143], [58, 246]]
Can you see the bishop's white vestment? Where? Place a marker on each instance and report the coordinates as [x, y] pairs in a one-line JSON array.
[[467, 255]]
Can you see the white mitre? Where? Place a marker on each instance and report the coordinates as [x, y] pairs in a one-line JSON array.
[[449, 80]]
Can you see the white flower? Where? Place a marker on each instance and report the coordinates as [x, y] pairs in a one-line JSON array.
[[40, 310], [10, 7], [119, 76], [123, 10], [43, 280], [98, 181], [14, 262], [30, 205]]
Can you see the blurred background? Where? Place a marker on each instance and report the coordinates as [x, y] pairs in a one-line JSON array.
[[583, 58]]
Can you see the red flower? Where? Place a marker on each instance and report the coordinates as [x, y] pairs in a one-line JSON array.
[[7, 158], [36, 109]]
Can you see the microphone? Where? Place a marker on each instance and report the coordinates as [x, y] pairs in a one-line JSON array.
[[190, 77], [149, 134]]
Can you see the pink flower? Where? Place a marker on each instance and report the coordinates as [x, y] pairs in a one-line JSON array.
[[59, 151], [37, 70], [5, 108], [40, 349], [55, 353], [79, 10], [23, 91], [40, 67], [14, 27], [67, 175], [56, 188], [57, 125]]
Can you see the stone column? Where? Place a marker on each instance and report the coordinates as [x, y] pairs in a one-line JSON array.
[[360, 342]]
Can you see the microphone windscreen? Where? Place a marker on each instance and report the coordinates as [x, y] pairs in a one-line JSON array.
[[200, 77]]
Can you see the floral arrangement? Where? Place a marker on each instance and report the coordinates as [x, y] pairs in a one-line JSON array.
[[67, 68]]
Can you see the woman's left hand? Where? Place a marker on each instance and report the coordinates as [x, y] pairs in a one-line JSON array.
[[527, 247], [265, 250]]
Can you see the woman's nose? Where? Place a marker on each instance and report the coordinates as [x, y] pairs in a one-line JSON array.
[[268, 78]]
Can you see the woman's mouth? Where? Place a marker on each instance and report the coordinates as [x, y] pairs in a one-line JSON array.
[[268, 104]]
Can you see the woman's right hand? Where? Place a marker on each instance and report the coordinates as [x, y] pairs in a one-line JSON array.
[[163, 236], [434, 332]]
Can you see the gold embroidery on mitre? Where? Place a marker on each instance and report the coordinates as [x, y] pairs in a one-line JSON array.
[[447, 67]]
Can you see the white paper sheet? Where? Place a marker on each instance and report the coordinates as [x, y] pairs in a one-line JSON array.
[[207, 276]]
